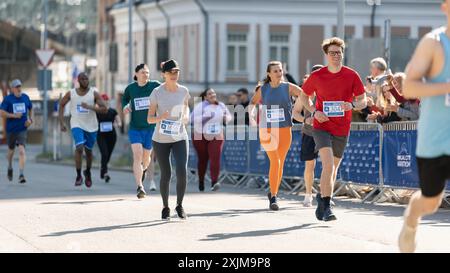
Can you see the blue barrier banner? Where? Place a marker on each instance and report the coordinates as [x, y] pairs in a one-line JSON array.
[[399, 159], [259, 162], [293, 166], [235, 154], [361, 159]]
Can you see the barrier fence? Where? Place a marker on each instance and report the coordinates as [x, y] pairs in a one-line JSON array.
[[382, 157]]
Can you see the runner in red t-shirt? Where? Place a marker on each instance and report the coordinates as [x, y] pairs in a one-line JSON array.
[[335, 87]]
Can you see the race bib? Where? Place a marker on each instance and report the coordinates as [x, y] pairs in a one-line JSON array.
[[106, 127], [170, 127], [275, 115], [447, 100], [82, 110], [213, 129], [141, 104], [333, 108], [19, 108]]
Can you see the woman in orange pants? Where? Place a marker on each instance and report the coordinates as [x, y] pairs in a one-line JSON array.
[[275, 123]]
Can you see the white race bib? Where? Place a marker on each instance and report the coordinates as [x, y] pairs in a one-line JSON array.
[[82, 110], [275, 115], [141, 104], [170, 127], [213, 128], [333, 108], [19, 108], [447, 100], [106, 126]]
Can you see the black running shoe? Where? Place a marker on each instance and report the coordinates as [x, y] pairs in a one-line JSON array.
[[78, 181], [180, 212], [102, 173], [328, 215], [320, 207], [107, 178], [274, 203], [87, 178], [22, 179], [10, 174], [201, 186], [215, 186], [141, 192], [165, 214]]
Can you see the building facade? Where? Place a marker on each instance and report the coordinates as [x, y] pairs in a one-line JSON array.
[[227, 44]]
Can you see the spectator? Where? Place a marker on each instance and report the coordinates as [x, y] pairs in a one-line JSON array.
[[386, 102], [378, 67], [407, 110], [242, 95]]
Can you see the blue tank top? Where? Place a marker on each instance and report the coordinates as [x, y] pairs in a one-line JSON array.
[[276, 106], [433, 138]]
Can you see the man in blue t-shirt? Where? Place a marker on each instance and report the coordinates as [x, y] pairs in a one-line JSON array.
[[17, 109]]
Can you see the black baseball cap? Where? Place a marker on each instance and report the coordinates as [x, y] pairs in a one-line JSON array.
[[169, 66]]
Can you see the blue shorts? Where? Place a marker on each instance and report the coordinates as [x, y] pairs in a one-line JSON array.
[[81, 137], [143, 137]]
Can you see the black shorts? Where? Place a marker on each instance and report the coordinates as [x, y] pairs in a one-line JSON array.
[[16, 139], [433, 172], [308, 151]]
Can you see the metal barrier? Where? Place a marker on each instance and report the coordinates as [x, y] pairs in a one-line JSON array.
[[379, 156]]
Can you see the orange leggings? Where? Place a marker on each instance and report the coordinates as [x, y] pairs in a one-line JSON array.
[[276, 142]]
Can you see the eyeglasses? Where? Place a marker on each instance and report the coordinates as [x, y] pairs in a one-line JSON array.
[[334, 53]]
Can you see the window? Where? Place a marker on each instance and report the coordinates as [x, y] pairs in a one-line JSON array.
[[279, 47], [237, 52], [162, 52]]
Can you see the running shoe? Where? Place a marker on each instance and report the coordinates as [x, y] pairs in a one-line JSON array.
[[78, 181], [165, 214], [22, 179], [87, 179], [141, 192], [10, 174], [180, 212]]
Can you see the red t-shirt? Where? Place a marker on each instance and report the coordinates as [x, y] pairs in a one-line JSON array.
[[330, 87]]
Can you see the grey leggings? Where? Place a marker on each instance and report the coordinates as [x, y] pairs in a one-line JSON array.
[[180, 152]]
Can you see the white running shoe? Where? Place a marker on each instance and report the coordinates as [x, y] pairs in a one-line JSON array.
[[152, 185], [307, 202]]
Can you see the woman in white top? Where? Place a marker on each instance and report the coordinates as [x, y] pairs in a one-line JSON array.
[[208, 118], [169, 110]]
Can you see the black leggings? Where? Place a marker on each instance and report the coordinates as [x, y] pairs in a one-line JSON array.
[[180, 153], [106, 143]]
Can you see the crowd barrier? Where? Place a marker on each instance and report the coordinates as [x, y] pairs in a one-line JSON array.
[[382, 157]]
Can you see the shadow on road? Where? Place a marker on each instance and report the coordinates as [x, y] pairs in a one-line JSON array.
[[259, 233], [108, 228]]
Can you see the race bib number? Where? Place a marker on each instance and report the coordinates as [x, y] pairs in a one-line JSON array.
[[106, 127], [82, 110], [170, 127], [447, 100], [275, 115], [333, 108], [19, 108], [141, 104], [213, 129]]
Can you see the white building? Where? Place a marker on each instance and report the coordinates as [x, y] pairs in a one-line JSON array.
[[244, 35]]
